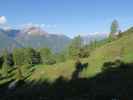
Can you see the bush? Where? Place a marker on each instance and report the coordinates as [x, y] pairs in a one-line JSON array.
[[50, 61]]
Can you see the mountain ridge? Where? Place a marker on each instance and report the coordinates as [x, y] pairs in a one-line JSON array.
[[36, 40]]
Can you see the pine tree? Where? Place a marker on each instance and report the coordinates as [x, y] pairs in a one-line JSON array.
[[47, 56], [6, 63], [18, 57], [114, 28], [32, 56], [28, 55], [75, 47]]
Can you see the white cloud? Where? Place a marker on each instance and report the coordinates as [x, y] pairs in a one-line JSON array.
[[43, 26], [3, 20], [4, 24], [7, 27]]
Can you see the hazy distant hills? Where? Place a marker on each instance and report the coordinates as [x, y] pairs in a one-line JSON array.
[[36, 37], [54, 42], [94, 36], [7, 42], [32, 37]]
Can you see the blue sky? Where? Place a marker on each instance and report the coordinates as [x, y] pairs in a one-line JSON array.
[[69, 17]]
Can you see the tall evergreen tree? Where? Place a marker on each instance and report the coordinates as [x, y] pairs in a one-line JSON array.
[[47, 56], [75, 47], [114, 28], [6, 63], [32, 56], [28, 55], [18, 57], [1, 61]]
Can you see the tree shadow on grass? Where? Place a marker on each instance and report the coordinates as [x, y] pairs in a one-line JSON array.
[[114, 83], [79, 67]]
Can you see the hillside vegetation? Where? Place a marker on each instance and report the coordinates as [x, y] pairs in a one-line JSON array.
[[120, 48]]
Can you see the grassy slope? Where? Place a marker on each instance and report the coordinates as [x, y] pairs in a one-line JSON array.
[[53, 72], [107, 52]]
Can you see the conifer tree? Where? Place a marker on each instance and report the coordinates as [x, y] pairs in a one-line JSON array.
[[114, 28], [6, 63]]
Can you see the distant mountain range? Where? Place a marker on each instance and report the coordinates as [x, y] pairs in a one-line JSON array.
[[94, 36], [36, 37], [32, 37], [7, 41]]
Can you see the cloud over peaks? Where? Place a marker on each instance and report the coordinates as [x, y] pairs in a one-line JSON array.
[[3, 20]]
